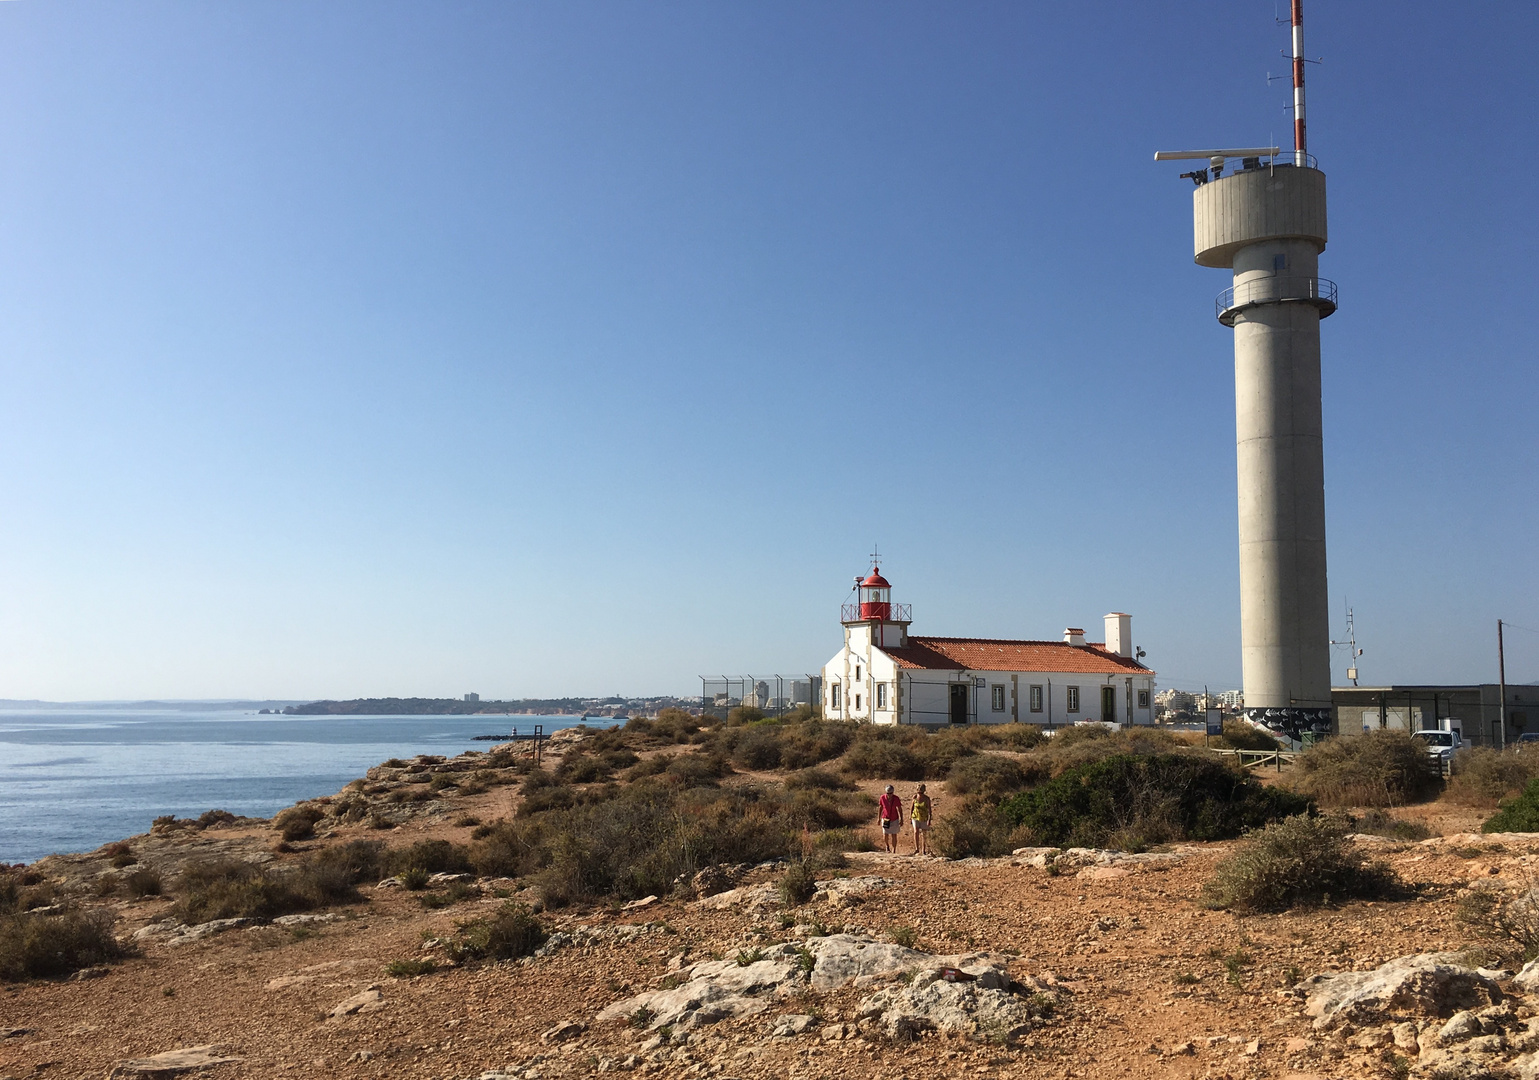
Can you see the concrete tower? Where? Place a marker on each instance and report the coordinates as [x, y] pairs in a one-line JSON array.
[[1266, 222]]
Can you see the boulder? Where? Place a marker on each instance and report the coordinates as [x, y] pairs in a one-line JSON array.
[[364, 1001], [843, 892], [716, 990], [563, 1032], [751, 897], [790, 1025], [1527, 980], [929, 1003], [1426, 985], [171, 1063], [712, 880]]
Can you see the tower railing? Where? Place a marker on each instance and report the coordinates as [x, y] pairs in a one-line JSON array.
[[1321, 292], [895, 613]]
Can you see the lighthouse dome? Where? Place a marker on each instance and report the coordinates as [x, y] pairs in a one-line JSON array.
[[875, 580]]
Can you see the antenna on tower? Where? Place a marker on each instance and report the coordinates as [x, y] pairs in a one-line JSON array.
[[1300, 133], [1353, 651]]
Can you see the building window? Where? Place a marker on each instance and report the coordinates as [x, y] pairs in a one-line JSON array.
[[1143, 699], [1036, 699], [857, 673], [1073, 693], [833, 696], [857, 703], [881, 695], [1279, 262], [997, 698]]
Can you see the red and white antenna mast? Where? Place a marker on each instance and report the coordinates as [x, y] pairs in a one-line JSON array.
[[1299, 141]]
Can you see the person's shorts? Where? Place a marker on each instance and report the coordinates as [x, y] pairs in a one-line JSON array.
[[891, 826], [921, 826]]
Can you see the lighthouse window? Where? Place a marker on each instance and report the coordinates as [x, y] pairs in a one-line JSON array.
[[997, 698], [1279, 262], [1073, 693], [881, 695], [833, 696], [857, 673], [857, 703]]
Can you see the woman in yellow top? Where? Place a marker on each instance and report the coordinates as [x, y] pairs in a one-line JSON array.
[[920, 814]]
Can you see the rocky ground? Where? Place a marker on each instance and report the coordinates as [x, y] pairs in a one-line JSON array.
[[1078, 964]]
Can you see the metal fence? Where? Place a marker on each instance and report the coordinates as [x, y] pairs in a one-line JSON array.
[[770, 694]]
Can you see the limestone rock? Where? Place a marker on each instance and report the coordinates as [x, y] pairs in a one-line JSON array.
[[364, 1001], [711, 881], [171, 1063], [563, 1032], [305, 919], [1527, 980], [790, 1025], [842, 892], [1428, 984], [931, 1003], [186, 935], [717, 990], [751, 897]]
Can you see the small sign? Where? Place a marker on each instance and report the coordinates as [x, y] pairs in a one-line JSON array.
[[980, 683], [1215, 722]]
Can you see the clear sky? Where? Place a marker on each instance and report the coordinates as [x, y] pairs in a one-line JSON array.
[[568, 348]]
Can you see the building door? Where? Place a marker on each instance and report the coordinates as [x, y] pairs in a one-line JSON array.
[[959, 703], [1109, 704]]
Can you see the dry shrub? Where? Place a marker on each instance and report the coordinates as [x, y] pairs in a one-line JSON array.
[[1133, 802], [1086, 743], [797, 885], [643, 837], [298, 822], [430, 856], [119, 854], [990, 775], [1302, 861], [224, 888], [1507, 917], [977, 828], [817, 780], [144, 882], [1483, 776], [882, 759], [1010, 736], [1378, 823], [1238, 735], [55, 944], [509, 934], [1377, 768]]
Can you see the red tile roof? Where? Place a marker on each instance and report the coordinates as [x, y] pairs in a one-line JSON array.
[[986, 654]]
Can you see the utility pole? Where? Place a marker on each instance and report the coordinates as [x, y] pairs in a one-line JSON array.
[[1501, 686]]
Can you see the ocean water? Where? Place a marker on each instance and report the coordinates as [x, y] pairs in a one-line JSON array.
[[72, 781]]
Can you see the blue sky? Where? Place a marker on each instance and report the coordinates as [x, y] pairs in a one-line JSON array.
[[539, 349]]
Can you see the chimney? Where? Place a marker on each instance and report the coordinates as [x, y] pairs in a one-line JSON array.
[[1074, 636], [1119, 633]]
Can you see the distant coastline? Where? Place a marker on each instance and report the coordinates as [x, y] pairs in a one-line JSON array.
[[613, 707]]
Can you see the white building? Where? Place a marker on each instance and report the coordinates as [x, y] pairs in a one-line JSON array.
[[885, 676]]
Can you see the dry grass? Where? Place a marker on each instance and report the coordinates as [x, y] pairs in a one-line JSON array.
[[1483, 776]]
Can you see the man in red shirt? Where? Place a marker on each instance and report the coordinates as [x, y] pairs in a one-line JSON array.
[[890, 810]]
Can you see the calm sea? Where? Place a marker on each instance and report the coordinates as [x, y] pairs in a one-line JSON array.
[[72, 781]]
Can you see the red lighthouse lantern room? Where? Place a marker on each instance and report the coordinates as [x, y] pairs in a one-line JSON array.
[[875, 596]]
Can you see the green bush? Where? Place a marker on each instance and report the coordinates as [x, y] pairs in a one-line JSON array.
[[1378, 768], [407, 969], [811, 742], [939, 753], [1297, 862], [1483, 776], [1133, 802], [1518, 815], [509, 934], [56, 944], [744, 714], [991, 775], [224, 888]]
